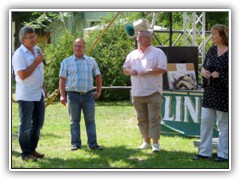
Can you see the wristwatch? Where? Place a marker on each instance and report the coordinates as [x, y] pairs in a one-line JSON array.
[[149, 71]]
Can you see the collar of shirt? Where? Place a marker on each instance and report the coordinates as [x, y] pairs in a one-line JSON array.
[[146, 50], [83, 58], [26, 49]]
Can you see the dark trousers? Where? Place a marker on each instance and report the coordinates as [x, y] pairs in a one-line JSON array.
[[31, 114]]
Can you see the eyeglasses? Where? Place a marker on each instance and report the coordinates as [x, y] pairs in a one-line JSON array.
[[31, 37], [78, 46], [145, 36]]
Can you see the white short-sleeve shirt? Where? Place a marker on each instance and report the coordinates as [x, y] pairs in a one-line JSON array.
[[137, 60], [29, 89]]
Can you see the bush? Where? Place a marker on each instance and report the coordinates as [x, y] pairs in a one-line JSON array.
[[110, 54], [55, 53]]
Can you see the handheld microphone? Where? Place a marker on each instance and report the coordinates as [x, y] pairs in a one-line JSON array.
[[44, 61]]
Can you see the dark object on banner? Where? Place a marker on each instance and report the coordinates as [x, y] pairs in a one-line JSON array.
[[185, 83]]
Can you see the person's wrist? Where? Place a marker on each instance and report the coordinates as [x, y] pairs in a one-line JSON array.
[[149, 71], [130, 71]]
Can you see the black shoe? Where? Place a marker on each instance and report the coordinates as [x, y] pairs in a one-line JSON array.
[[219, 159], [37, 155], [29, 158], [74, 148], [96, 148], [198, 157]]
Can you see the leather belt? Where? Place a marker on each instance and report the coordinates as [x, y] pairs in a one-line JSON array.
[[81, 93]]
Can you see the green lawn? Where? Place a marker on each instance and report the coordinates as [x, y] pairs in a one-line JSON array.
[[117, 132]]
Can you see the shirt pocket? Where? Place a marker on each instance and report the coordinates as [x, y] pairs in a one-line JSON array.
[[29, 61], [151, 62]]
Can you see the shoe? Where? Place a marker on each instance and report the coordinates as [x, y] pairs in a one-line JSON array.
[[29, 158], [144, 146], [155, 148], [74, 148], [96, 148], [198, 157], [37, 155], [219, 159]]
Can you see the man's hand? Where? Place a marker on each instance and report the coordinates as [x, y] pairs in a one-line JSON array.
[[143, 73], [133, 73], [97, 95], [63, 100]]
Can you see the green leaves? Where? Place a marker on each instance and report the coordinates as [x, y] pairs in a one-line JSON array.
[[54, 55], [111, 51]]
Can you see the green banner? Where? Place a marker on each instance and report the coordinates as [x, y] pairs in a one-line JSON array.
[[181, 113]]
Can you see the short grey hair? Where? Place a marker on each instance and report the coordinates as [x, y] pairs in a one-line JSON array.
[[147, 32], [24, 31], [79, 39]]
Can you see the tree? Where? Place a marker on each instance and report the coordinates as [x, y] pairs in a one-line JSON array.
[[213, 18], [111, 50], [19, 18], [54, 54]]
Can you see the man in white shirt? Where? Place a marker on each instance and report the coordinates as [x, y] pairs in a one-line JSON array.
[[146, 65], [27, 63]]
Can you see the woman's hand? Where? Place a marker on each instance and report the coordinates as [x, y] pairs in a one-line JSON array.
[[215, 74], [205, 73]]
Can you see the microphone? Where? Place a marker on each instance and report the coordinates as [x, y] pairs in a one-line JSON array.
[[44, 61]]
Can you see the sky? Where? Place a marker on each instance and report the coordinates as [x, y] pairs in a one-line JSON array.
[[133, 4]]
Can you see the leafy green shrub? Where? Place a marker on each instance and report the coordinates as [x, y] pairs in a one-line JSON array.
[[110, 54], [54, 54]]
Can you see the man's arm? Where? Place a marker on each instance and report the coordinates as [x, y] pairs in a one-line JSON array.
[[153, 71], [98, 92], [157, 70], [23, 74], [129, 72], [45, 90], [63, 96]]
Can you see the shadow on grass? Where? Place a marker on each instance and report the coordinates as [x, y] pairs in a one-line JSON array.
[[113, 103], [52, 135], [120, 157]]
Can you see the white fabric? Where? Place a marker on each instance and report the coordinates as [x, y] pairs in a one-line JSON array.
[[137, 60], [209, 117], [29, 89]]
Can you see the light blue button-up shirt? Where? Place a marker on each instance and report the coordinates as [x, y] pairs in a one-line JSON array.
[[29, 89], [79, 73]]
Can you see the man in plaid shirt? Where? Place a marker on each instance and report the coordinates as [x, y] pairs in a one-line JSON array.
[[77, 75]]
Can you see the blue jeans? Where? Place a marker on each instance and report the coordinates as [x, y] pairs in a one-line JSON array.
[[31, 114], [76, 104]]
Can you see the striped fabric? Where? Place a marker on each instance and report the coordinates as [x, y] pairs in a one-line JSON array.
[[79, 73]]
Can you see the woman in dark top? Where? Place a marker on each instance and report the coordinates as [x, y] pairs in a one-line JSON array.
[[215, 96]]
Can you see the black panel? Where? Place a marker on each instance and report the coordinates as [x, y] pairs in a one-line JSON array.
[[180, 54]]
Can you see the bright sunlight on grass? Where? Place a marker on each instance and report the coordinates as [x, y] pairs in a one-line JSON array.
[[117, 132]]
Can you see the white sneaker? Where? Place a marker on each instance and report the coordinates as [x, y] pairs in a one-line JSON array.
[[144, 146], [155, 148]]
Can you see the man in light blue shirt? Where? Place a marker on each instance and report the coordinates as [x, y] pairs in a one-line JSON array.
[[30, 92], [77, 75]]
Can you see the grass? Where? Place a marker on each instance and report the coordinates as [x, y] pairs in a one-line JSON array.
[[117, 132]]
